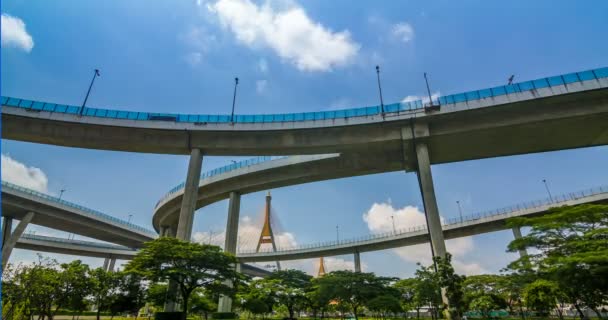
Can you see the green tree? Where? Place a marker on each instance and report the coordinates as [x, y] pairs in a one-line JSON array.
[[452, 284], [484, 303], [189, 265], [104, 288], [571, 249], [428, 288], [290, 286], [411, 298], [354, 289], [157, 294], [384, 305], [256, 306], [77, 285], [201, 303], [318, 300], [542, 296]]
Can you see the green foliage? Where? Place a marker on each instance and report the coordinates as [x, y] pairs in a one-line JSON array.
[[224, 315], [484, 303], [256, 306], [542, 296], [452, 284], [289, 287], [354, 289], [384, 304], [189, 265], [571, 249]]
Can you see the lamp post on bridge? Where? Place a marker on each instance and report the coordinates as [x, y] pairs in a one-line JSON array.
[[459, 210], [393, 219], [337, 234], [380, 90], [130, 216], [236, 83], [61, 193], [95, 75], [547, 188]]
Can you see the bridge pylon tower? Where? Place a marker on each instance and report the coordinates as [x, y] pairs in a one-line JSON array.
[[321, 271], [267, 236]]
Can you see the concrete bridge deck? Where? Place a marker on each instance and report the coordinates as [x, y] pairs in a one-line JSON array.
[[454, 228], [59, 214]]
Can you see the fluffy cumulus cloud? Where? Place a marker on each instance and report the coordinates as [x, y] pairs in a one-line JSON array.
[[18, 173], [403, 31], [14, 33], [380, 218], [288, 31]]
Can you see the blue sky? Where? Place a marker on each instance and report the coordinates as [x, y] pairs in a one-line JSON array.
[[297, 56]]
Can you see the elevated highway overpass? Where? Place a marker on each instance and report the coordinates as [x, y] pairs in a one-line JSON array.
[[554, 113]]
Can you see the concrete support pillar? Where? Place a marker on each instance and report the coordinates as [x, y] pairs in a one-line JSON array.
[[162, 231], [186, 213], [112, 264], [7, 247], [430, 202], [357, 261], [232, 230], [7, 228], [106, 262], [517, 235]]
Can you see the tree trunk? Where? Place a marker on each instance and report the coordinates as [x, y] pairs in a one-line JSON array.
[[599, 314], [580, 312]]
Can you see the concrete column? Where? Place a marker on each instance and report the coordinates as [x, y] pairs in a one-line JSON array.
[[7, 228], [357, 261], [232, 225], [430, 202], [232, 230], [106, 261], [186, 213], [7, 247], [162, 231], [112, 263], [517, 235]]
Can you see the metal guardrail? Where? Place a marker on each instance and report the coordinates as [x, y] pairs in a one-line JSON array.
[[29, 236], [37, 106], [556, 200], [104, 216], [220, 170]]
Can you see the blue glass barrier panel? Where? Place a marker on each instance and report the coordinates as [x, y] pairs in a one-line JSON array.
[[570, 77]]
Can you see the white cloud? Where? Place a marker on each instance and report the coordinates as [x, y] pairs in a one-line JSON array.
[[403, 31], [193, 58], [14, 33], [260, 86], [424, 98], [18, 173], [379, 220], [289, 31], [198, 41], [263, 65]]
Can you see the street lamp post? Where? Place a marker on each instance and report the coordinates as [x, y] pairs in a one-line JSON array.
[[380, 90], [61, 193], [95, 74], [337, 234], [459, 210], [547, 188], [394, 230], [236, 83], [130, 216]]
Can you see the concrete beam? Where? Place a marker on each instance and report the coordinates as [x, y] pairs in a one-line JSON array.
[[7, 228], [112, 264], [7, 247], [357, 261], [186, 214], [517, 235], [430, 202], [232, 230]]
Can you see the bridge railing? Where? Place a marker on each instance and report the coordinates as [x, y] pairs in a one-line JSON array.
[[30, 236], [104, 216], [422, 229], [220, 170], [395, 108]]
